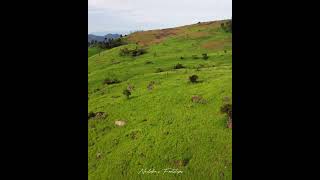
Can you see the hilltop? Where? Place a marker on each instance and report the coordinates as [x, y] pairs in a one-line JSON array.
[[168, 121]]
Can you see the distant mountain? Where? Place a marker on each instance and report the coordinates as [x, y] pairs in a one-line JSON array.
[[102, 38]]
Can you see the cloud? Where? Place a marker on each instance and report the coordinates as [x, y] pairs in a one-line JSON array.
[[126, 15]]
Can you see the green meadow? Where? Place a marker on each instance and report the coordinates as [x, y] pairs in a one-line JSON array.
[[164, 127], [92, 51]]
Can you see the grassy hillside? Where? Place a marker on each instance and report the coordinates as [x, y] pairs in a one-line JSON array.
[[92, 51], [164, 127]]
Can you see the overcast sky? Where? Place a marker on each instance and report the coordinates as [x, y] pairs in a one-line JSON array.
[[123, 16]]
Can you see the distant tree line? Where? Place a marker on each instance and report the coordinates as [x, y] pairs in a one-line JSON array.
[[107, 43]]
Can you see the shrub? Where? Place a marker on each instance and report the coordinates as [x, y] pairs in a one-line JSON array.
[[205, 56], [96, 115], [227, 27], [111, 81], [130, 87], [91, 115], [178, 66], [127, 93], [148, 62], [195, 57], [159, 70], [193, 78], [132, 52], [138, 52], [150, 85], [124, 52]]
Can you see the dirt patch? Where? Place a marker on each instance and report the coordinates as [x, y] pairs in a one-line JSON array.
[[181, 163], [147, 38], [198, 34], [216, 45], [226, 99]]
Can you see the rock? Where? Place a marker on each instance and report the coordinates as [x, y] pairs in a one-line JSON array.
[[98, 155], [120, 123]]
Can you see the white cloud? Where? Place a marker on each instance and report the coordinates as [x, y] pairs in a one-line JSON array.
[[126, 15]]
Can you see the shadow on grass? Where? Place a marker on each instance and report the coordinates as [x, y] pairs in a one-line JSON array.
[[196, 82], [131, 97]]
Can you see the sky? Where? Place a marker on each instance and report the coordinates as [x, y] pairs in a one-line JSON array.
[[125, 16]]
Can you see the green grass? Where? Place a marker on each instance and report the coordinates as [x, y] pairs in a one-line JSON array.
[[163, 125], [93, 50]]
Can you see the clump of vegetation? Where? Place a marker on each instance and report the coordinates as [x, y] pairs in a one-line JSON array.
[[195, 57], [193, 78], [181, 57], [205, 56], [159, 70], [96, 115], [132, 52], [130, 87], [114, 61], [181, 163], [178, 66], [148, 62], [91, 115], [227, 109], [135, 134], [111, 81], [198, 99], [127, 93], [227, 27], [150, 85]]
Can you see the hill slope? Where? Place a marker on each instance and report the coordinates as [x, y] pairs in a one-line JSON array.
[[164, 128]]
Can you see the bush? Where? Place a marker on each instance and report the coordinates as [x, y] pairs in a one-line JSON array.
[[178, 66], [159, 70], [127, 93], [130, 87], [97, 115], [227, 109], [111, 81], [132, 52], [205, 56], [193, 78], [195, 57], [227, 27], [148, 62], [91, 115], [150, 85]]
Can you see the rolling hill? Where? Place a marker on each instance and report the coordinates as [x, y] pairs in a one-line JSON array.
[[168, 121]]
